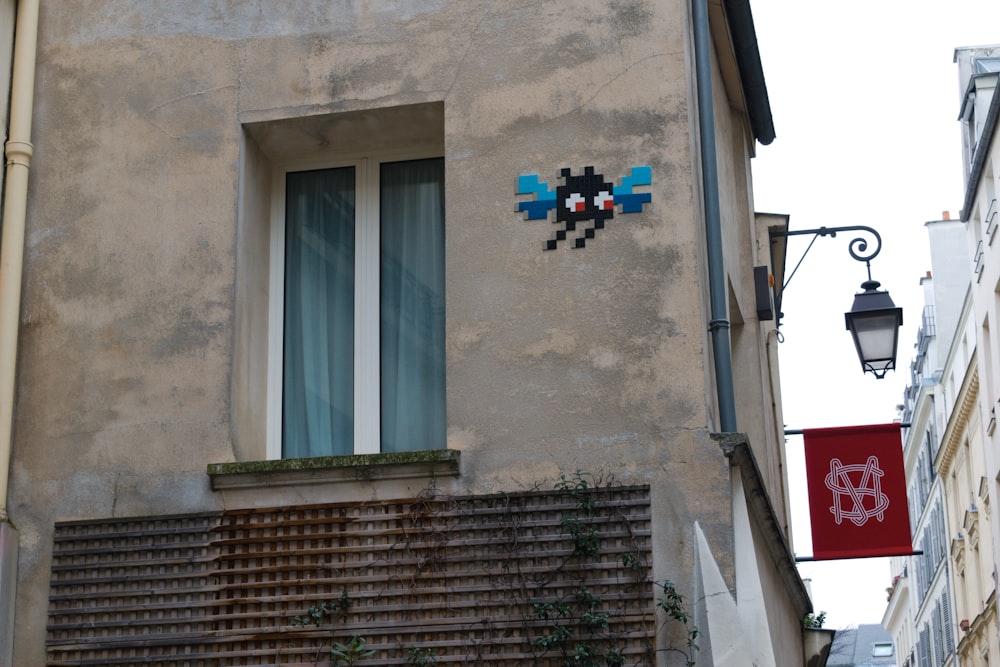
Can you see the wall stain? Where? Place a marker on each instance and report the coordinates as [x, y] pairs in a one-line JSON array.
[[189, 333], [630, 18], [559, 342]]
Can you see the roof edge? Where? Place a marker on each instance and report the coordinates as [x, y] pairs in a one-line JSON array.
[[982, 148], [740, 20]]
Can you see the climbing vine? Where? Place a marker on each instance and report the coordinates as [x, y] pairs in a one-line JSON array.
[[578, 605], [672, 604]]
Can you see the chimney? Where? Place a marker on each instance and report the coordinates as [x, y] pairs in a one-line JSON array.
[[945, 215]]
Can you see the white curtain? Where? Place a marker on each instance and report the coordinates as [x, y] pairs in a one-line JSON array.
[[318, 391], [412, 305]]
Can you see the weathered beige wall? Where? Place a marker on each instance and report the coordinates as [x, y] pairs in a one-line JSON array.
[[141, 301]]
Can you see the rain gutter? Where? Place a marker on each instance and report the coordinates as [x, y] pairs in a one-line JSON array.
[[718, 324], [18, 151], [744, 42], [744, 37]]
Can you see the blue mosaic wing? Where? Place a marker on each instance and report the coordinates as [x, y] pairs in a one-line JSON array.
[[632, 202], [545, 199]]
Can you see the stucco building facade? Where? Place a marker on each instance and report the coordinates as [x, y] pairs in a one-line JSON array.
[[920, 612], [203, 173], [961, 464], [943, 605], [979, 108]]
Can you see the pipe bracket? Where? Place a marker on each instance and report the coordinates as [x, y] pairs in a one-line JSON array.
[[19, 152]]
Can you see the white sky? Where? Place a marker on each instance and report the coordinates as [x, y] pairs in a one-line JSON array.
[[865, 98]]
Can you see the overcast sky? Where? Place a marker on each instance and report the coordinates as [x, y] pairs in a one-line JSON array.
[[865, 97]]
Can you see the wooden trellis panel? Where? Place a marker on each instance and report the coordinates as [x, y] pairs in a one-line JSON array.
[[125, 590], [458, 577]]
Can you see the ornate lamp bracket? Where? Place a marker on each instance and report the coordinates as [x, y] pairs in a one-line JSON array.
[[858, 247], [873, 320]]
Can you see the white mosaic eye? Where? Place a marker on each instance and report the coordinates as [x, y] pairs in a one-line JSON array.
[[576, 203], [604, 201]]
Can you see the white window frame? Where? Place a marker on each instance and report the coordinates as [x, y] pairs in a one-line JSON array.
[[367, 367]]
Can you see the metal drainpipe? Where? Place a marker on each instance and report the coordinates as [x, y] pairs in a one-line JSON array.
[[18, 151], [719, 323]]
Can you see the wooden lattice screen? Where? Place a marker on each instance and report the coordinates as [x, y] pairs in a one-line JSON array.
[[469, 579]]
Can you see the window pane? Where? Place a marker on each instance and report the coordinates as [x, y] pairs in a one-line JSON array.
[[318, 385], [412, 305], [881, 649]]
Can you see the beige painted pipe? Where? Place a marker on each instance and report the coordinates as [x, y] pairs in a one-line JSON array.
[[18, 150]]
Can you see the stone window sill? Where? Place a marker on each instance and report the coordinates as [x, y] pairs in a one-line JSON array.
[[327, 469]]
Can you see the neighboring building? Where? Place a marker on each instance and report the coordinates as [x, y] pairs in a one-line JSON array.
[[951, 404], [864, 646], [979, 108], [960, 465], [898, 616], [444, 423], [919, 614]]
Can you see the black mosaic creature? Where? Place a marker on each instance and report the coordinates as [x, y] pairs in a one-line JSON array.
[[583, 199]]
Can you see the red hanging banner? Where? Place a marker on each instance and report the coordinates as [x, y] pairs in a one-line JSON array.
[[857, 492]]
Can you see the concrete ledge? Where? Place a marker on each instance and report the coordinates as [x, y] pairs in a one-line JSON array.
[[326, 469], [816, 644]]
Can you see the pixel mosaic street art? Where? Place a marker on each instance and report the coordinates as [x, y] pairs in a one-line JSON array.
[[583, 199]]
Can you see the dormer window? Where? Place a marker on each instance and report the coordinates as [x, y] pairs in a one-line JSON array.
[[882, 649]]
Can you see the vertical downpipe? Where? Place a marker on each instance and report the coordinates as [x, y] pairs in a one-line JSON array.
[[719, 323], [18, 152], [8, 589]]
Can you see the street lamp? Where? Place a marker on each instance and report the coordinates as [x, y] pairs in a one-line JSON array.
[[874, 323], [873, 320]]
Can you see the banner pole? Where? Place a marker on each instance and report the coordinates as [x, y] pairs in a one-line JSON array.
[[799, 431], [810, 559]]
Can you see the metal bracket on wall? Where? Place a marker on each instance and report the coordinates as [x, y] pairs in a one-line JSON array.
[[858, 247]]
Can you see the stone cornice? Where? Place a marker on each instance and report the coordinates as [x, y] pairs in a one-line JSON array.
[[979, 627], [958, 421]]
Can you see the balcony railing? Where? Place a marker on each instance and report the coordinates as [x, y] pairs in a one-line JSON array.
[[928, 329]]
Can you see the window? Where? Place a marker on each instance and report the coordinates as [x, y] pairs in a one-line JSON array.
[[881, 649], [356, 357]]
